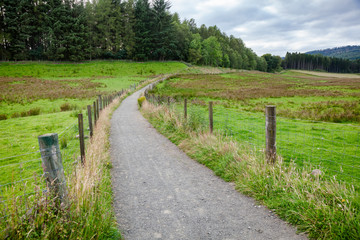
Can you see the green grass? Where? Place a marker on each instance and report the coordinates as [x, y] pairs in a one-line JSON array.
[[240, 100], [101, 69], [321, 207], [42, 89], [46, 86], [296, 95]]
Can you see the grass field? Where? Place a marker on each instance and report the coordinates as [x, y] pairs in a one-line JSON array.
[[39, 98], [318, 118]]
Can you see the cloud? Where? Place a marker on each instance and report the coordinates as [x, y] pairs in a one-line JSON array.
[[279, 26]]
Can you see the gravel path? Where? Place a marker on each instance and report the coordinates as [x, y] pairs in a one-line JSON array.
[[160, 193]]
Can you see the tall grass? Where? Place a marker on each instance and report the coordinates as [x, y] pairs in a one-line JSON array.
[[322, 208], [88, 214]]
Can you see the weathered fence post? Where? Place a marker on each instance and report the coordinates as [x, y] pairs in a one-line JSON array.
[[97, 110], [52, 165], [271, 134], [81, 138], [211, 120], [185, 108], [90, 120], [95, 118], [100, 103]]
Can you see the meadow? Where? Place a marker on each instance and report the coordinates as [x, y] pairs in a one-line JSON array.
[[44, 97], [318, 118]]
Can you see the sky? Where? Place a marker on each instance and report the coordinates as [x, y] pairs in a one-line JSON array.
[[279, 26]]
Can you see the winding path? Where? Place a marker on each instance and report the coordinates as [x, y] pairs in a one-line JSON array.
[[160, 193]]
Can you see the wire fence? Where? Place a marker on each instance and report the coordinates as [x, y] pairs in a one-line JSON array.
[[331, 147], [22, 175]]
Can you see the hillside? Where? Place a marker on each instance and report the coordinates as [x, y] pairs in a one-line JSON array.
[[348, 52]]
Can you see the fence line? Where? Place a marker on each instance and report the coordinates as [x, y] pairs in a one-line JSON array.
[[28, 171], [333, 148]]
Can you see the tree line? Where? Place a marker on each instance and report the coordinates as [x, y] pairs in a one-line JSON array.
[[319, 62], [141, 30]]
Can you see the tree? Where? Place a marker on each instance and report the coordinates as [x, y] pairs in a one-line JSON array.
[[273, 62], [212, 51], [163, 31]]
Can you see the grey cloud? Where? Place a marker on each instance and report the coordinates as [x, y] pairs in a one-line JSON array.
[[280, 25]]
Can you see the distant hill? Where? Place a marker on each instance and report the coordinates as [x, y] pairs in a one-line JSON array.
[[348, 52]]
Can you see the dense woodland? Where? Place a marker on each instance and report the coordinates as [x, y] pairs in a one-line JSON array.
[[347, 52], [141, 30], [73, 30], [319, 62]]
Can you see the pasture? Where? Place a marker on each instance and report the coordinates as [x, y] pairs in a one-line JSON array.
[[318, 118], [41, 97]]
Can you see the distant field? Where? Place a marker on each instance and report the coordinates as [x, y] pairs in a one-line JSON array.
[[38, 98], [318, 117], [44, 87], [326, 74]]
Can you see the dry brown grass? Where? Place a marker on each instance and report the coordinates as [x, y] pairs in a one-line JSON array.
[[18, 90], [326, 74], [250, 85]]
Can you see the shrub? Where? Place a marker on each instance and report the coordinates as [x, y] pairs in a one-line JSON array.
[[15, 115], [3, 117], [33, 112], [141, 100], [65, 107]]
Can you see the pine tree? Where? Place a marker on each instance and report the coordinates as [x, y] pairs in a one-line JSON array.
[[143, 27], [163, 31]]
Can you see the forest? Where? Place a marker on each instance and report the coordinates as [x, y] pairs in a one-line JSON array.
[[320, 63], [141, 30], [347, 52]]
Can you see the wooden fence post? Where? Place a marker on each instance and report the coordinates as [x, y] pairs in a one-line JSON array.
[[97, 110], [81, 138], [211, 120], [271, 134], [100, 103], [52, 165], [90, 120], [95, 118], [185, 108]]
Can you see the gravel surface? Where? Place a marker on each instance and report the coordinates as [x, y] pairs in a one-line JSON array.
[[160, 193]]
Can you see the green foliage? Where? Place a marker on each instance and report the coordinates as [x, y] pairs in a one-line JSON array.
[[211, 52], [65, 107], [141, 101], [348, 52], [273, 63], [111, 29], [324, 209], [319, 62]]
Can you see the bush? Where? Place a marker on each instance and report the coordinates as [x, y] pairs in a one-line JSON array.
[[65, 107], [15, 115], [141, 100], [33, 112], [3, 117]]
